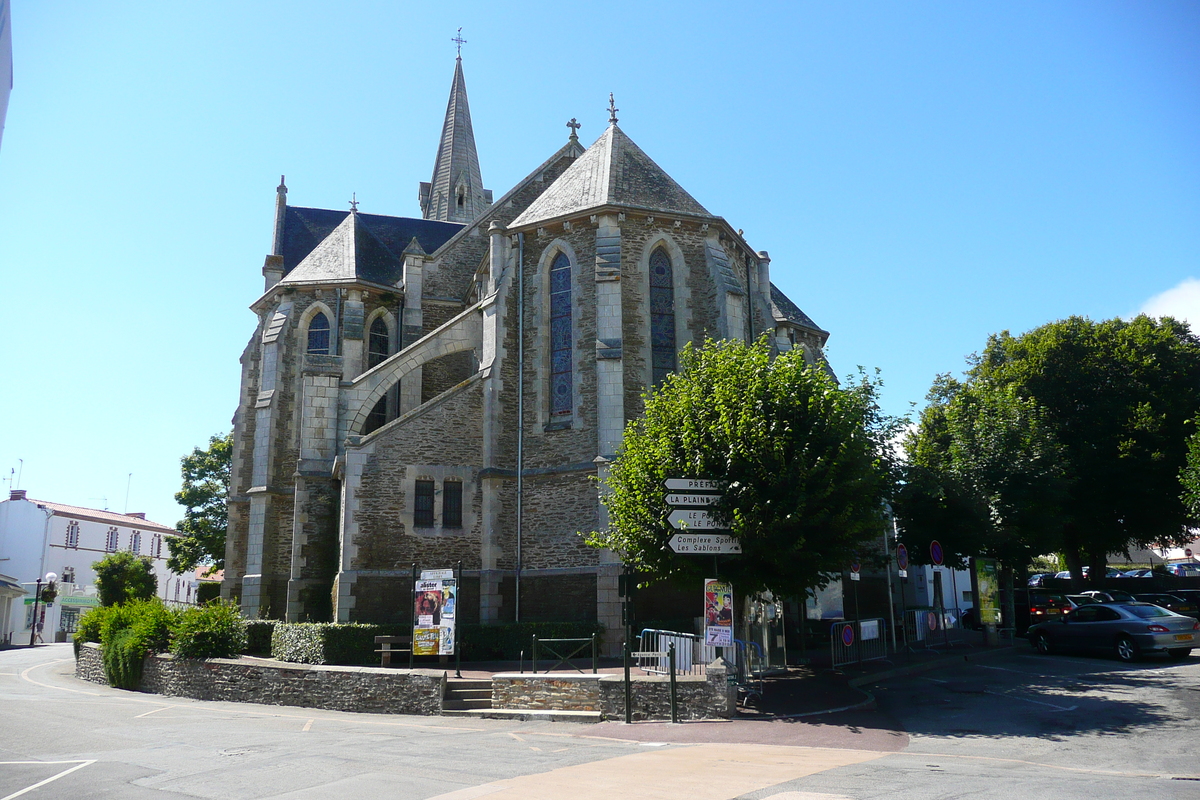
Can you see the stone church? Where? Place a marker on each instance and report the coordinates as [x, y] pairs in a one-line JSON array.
[[447, 388]]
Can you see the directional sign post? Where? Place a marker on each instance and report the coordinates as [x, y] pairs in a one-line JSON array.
[[692, 485], [693, 519], [704, 543]]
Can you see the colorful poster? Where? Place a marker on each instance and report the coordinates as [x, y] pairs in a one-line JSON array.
[[434, 606], [988, 590], [718, 613]]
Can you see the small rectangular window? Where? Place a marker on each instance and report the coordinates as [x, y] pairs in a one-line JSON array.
[[423, 505], [452, 504], [73, 534], [156, 545], [135, 542], [113, 540]]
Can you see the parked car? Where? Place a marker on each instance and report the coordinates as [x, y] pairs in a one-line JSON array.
[[1078, 600], [1184, 570], [1036, 605], [1110, 572], [1128, 630], [1138, 573], [1036, 579], [1171, 602], [1109, 596]]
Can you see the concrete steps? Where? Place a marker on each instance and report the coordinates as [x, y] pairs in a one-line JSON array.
[[463, 694]]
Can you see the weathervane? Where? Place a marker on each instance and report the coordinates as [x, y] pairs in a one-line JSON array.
[[612, 109], [460, 41], [574, 126]]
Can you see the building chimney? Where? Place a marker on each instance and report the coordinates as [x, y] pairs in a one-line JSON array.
[[137, 514], [16, 494]]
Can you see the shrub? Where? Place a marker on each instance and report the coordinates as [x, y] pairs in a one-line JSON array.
[[123, 576], [89, 626], [258, 635], [207, 591], [216, 630], [329, 642], [128, 633]]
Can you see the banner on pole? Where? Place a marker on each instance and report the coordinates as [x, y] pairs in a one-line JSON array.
[[718, 613]]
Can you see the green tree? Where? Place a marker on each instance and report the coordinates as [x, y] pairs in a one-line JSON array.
[[123, 576], [1190, 476], [1109, 401], [205, 487], [804, 464]]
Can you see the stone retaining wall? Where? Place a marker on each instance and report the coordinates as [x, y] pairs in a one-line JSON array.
[[698, 696], [372, 689]]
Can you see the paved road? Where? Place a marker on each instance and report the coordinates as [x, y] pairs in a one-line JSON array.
[[1054, 727]]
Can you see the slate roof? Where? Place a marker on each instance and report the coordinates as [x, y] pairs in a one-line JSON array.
[[613, 171], [784, 309], [305, 228], [350, 253], [96, 515], [457, 162]]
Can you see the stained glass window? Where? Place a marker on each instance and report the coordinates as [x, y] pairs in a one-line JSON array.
[[318, 335], [561, 386], [662, 315], [377, 348]]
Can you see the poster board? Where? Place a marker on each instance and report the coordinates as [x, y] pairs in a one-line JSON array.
[[435, 606], [987, 590], [718, 613]]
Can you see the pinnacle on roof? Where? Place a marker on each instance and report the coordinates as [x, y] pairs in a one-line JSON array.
[[613, 171], [455, 193]]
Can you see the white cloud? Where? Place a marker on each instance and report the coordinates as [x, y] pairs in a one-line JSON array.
[[1181, 301]]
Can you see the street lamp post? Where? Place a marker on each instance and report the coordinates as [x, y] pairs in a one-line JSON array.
[[37, 596]]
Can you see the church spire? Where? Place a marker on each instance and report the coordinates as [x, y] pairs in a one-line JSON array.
[[455, 193]]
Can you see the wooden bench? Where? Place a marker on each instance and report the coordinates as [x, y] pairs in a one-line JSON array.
[[386, 649]]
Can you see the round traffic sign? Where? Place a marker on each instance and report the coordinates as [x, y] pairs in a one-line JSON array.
[[848, 635], [931, 620], [1187, 552], [935, 552], [855, 566], [902, 556]]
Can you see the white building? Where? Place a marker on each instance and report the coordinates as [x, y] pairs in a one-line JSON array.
[[38, 537]]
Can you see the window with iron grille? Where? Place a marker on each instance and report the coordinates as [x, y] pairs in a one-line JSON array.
[[423, 505], [73, 534], [561, 361], [112, 541], [318, 335], [451, 504]]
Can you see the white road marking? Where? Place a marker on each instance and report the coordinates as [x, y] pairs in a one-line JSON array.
[[39, 784], [1027, 700], [307, 726], [152, 711]]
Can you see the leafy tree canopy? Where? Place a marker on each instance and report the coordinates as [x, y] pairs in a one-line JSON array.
[[1069, 437], [804, 462], [205, 487], [123, 576]]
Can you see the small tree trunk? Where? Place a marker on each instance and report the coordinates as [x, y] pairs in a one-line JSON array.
[[1098, 566], [1010, 602]]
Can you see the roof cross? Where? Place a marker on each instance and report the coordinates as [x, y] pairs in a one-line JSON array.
[[574, 126], [354, 202], [460, 41], [612, 109]]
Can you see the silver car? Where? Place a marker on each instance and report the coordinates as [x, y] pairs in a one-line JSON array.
[[1129, 630]]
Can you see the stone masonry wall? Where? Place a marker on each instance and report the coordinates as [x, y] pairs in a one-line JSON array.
[[371, 689]]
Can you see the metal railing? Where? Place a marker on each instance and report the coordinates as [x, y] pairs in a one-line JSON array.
[[551, 646], [933, 628], [857, 640], [691, 654]]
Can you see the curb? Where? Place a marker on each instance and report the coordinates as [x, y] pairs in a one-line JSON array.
[[915, 669], [865, 705], [524, 715]]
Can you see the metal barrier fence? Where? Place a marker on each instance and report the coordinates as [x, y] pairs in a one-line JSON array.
[[857, 640], [933, 628], [551, 647], [692, 655]]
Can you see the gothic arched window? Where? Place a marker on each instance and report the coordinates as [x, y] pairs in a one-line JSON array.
[[377, 347], [318, 335], [561, 386], [662, 315]]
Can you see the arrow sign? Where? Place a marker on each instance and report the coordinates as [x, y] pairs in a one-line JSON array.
[[693, 499], [692, 485], [697, 520], [704, 543]]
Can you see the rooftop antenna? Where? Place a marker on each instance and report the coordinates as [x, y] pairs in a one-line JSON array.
[[128, 481], [20, 472], [460, 41]]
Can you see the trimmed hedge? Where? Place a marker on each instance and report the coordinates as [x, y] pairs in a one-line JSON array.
[[216, 630], [354, 643], [258, 636]]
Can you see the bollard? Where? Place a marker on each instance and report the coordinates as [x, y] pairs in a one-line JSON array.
[[521, 663], [674, 699], [594, 654], [628, 688], [533, 656]]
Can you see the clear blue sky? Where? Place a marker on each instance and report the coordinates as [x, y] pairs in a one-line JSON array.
[[923, 174]]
